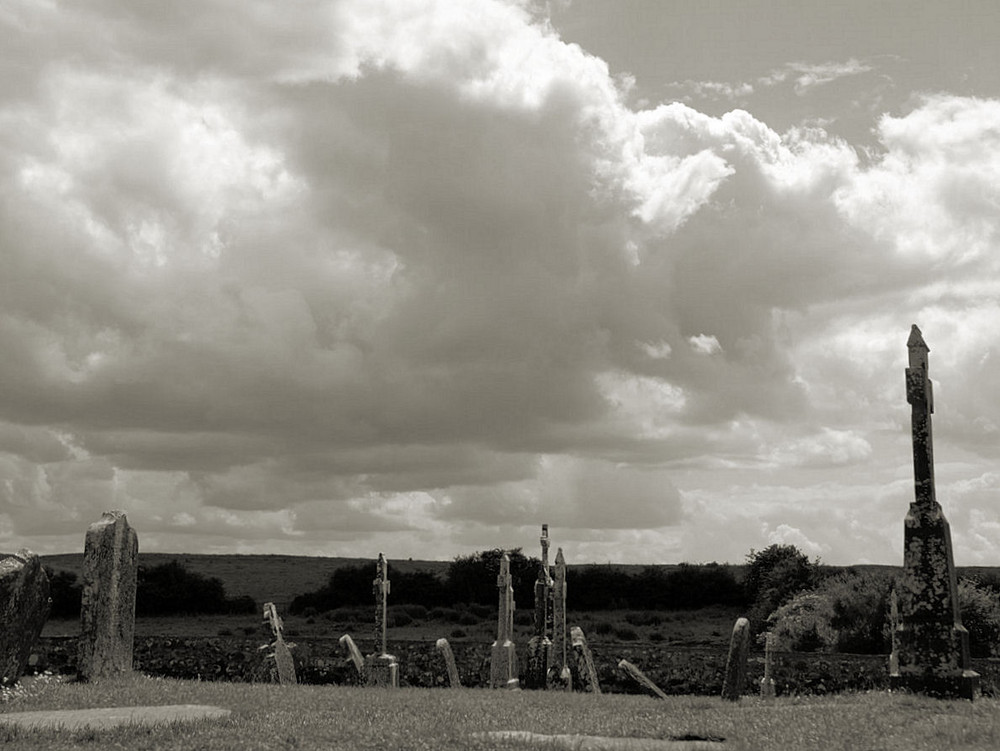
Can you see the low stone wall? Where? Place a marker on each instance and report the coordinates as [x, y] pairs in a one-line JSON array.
[[696, 671]]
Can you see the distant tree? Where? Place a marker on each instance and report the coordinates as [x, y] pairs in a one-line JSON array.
[[692, 586], [597, 587], [473, 578], [170, 589], [353, 586], [65, 594], [773, 576]]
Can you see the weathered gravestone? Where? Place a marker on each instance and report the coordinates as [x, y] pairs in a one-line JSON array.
[[503, 655], [561, 674], [282, 655], [449, 662], [585, 672], [932, 644], [107, 613], [381, 668], [540, 645], [641, 678], [767, 682], [24, 608], [354, 654], [736, 663]]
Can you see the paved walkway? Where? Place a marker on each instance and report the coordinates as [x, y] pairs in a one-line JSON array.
[[110, 717]]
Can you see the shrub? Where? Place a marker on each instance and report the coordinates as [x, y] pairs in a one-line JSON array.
[[415, 611], [626, 634], [170, 589], [457, 633], [803, 624], [643, 618], [603, 627], [981, 618]]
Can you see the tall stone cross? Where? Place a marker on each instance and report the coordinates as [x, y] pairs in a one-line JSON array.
[[381, 588], [381, 668], [503, 656], [932, 644], [540, 645]]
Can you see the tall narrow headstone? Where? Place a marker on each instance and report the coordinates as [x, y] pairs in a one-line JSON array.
[[449, 662], [503, 656], [586, 671], [767, 682], [736, 663], [894, 632], [933, 645], [381, 668], [282, 655], [24, 608], [540, 645], [107, 612], [559, 635]]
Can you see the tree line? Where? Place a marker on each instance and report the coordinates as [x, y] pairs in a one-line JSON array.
[[165, 589], [472, 579]]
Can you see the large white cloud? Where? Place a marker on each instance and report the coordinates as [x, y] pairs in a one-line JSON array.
[[404, 273]]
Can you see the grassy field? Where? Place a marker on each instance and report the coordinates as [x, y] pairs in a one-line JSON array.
[[270, 717]]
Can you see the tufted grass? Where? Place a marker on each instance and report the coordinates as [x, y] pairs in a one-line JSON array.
[[269, 717]]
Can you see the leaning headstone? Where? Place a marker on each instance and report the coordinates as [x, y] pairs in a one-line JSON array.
[[449, 662], [503, 655], [540, 645], [736, 664], [24, 608], [353, 653], [639, 677], [586, 672], [282, 655], [932, 643], [381, 668], [107, 612], [559, 636], [767, 682]]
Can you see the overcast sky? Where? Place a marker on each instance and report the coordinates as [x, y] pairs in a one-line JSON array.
[[337, 278]]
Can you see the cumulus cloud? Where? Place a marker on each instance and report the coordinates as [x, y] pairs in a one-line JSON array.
[[409, 273]]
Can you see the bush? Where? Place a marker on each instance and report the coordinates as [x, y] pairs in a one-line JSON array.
[[473, 578], [981, 618], [626, 634], [803, 624]]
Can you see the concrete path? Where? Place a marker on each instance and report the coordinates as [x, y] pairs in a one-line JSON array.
[[75, 719]]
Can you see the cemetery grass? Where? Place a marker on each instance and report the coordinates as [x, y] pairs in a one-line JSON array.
[[333, 717]]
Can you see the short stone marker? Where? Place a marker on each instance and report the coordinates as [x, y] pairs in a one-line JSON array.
[[353, 653], [932, 645], [503, 655], [736, 664], [767, 682], [586, 672], [381, 668], [112, 717], [641, 678], [24, 608], [449, 662], [107, 614], [282, 655]]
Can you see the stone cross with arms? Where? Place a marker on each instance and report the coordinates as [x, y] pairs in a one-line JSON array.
[[932, 645]]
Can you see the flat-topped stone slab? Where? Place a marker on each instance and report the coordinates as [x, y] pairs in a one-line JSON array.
[[111, 717], [599, 742]]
